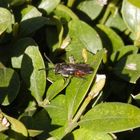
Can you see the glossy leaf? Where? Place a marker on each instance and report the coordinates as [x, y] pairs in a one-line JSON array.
[[19, 49], [115, 21], [19, 130], [36, 23], [34, 133], [78, 88], [64, 12], [58, 133], [56, 88], [48, 5], [131, 16], [123, 52], [135, 2], [6, 19], [16, 2], [86, 35], [111, 117], [9, 85], [3, 136], [128, 68], [91, 8], [113, 41], [57, 110], [30, 12], [86, 134], [34, 78]]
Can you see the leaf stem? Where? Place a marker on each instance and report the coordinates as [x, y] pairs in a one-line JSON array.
[[111, 8], [82, 108], [106, 15], [70, 3]]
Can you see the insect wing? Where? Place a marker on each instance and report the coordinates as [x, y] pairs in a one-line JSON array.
[[83, 68]]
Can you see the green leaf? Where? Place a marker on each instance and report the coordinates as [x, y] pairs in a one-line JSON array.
[[78, 88], [30, 12], [34, 78], [123, 52], [48, 5], [35, 22], [9, 85], [6, 20], [58, 133], [111, 40], [91, 8], [128, 68], [135, 3], [131, 16], [111, 117], [16, 2], [56, 88], [18, 50], [86, 134], [37, 123], [115, 21], [4, 137], [86, 35], [18, 130], [64, 13], [57, 110], [34, 133]]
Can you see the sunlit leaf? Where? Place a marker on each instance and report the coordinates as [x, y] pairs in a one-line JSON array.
[[135, 2], [92, 8], [78, 88], [123, 52], [19, 130], [111, 40], [115, 21], [86, 35], [64, 12], [48, 5], [83, 134], [131, 16], [111, 117], [19, 49], [5, 19], [56, 88], [57, 110], [34, 78], [30, 12], [128, 68]]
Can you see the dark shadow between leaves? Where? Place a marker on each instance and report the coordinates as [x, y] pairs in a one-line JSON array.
[[129, 135], [26, 69], [69, 137], [105, 41], [119, 68], [15, 135]]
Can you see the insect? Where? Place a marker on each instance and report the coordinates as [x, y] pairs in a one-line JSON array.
[[74, 69], [77, 70]]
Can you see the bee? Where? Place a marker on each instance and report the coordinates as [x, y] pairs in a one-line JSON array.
[[77, 70]]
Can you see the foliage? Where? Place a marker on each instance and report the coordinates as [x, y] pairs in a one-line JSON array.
[[36, 102]]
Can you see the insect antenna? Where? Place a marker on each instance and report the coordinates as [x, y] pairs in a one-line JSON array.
[[48, 61]]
